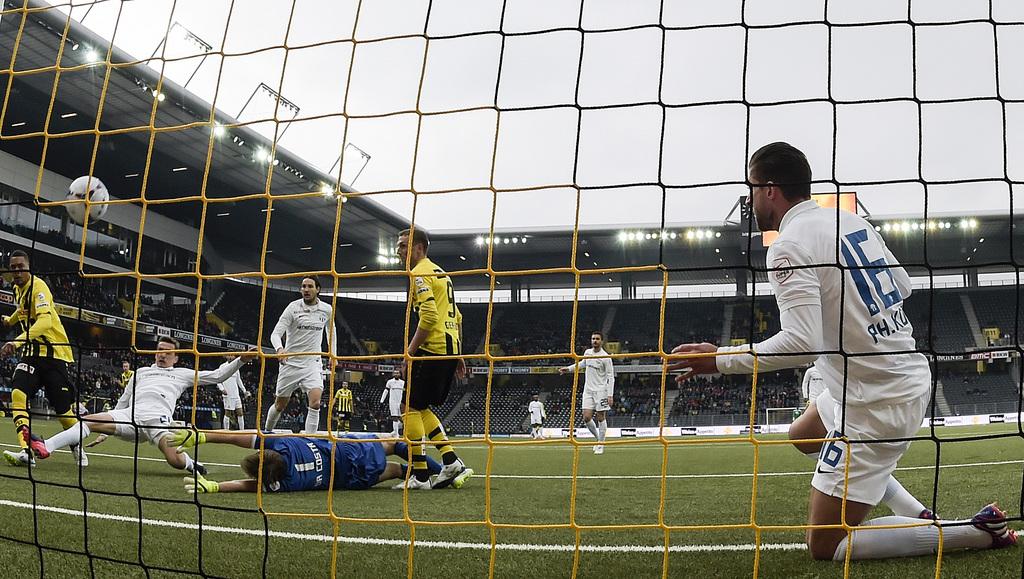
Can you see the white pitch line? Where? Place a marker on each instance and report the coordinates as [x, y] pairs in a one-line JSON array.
[[637, 476], [735, 474], [452, 545]]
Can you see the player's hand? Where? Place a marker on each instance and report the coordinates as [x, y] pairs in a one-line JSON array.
[[182, 439], [611, 399], [460, 369], [8, 349], [694, 366], [99, 440], [197, 484], [563, 370], [280, 351]]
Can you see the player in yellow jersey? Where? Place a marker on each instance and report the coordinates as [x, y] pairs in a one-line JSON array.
[[343, 407], [438, 333], [45, 355], [126, 374]]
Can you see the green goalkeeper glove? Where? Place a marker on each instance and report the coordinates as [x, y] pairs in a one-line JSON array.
[[198, 484], [187, 439]]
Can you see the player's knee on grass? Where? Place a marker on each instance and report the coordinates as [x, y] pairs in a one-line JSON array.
[[822, 543]]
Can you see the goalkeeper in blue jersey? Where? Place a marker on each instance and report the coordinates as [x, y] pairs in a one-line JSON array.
[[299, 463]]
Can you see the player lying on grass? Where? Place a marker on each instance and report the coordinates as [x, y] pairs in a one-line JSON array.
[[299, 463], [145, 408]]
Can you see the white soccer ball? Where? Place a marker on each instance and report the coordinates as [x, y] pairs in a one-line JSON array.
[[96, 191]]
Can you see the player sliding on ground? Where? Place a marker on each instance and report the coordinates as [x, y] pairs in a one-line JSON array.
[[293, 463], [598, 389], [145, 408], [840, 289]]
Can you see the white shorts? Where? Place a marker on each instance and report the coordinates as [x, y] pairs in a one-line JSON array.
[[870, 463], [233, 403], [152, 427], [595, 399], [291, 378], [396, 398]]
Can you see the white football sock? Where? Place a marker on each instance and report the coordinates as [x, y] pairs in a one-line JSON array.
[[70, 437], [602, 429], [312, 420], [592, 427], [396, 425], [900, 500], [226, 422], [190, 465], [241, 423], [273, 415], [910, 541]]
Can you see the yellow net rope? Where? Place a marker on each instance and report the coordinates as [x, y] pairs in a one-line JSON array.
[[755, 524]]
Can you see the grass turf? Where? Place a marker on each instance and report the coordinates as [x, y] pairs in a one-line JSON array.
[[709, 485]]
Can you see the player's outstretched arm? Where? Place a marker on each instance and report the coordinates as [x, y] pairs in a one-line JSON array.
[[197, 484]]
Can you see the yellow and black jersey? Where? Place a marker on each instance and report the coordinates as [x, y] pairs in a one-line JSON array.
[[42, 333], [343, 401], [434, 303], [126, 378]]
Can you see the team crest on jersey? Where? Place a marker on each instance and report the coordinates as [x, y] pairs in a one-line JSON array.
[[782, 274], [41, 299]]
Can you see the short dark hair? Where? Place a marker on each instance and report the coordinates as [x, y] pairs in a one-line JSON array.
[[316, 280], [416, 236], [598, 332], [786, 167], [273, 466], [168, 340], [18, 253]]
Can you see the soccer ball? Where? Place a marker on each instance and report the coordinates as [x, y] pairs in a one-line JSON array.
[[96, 192]]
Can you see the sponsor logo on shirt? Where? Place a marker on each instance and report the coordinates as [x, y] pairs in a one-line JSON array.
[[781, 275]]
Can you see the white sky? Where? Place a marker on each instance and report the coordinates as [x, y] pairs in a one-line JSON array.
[[701, 144]]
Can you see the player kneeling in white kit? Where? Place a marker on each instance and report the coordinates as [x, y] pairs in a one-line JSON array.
[[145, 408], [598, 390], [303, 325], [840, 289]]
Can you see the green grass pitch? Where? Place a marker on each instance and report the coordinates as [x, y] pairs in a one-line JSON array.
[[709, 483]]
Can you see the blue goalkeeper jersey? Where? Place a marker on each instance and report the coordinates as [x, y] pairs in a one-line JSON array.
[[357, 465]]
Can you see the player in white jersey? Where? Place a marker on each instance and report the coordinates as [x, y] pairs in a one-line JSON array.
[[231, 391], [537, 416], [145, 408], [598, 389], [300, 331], [393, 392], [811, 386], [840, 289]]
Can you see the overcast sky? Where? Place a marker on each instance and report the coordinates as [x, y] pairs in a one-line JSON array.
[[702, 144]]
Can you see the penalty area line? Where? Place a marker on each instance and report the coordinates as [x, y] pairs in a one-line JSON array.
[[449, 545]]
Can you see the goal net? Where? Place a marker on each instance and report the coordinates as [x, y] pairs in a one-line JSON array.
[[552, 150]]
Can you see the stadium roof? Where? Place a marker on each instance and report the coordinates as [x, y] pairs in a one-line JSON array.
[[238, 165], [301, 228]]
